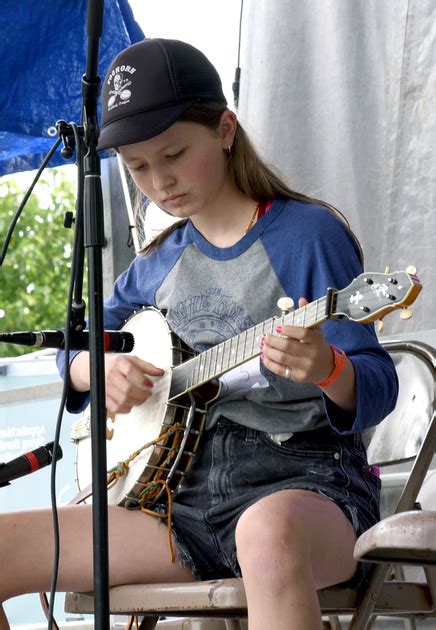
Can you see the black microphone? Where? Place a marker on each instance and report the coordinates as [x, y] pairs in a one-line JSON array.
[[114, 340], [28, 463]]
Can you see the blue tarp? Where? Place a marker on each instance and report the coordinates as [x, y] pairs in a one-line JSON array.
[[43, 48]]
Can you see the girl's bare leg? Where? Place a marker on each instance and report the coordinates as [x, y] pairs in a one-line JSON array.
[[290, 544], [138, 551]]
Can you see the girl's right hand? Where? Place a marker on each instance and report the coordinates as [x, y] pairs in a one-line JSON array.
[[127, 383]]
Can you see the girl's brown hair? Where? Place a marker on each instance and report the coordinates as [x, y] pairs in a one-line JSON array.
[[247, 171]]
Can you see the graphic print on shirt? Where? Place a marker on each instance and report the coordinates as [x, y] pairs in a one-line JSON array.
[[213, 314]]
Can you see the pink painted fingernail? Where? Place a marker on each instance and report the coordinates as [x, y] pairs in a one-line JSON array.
[[262, 357], [261, 345], [150, 384], [279, 329]]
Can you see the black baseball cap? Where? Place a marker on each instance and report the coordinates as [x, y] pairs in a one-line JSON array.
[[149, 85]]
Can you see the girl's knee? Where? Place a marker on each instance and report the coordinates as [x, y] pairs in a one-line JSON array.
[[267, 540]]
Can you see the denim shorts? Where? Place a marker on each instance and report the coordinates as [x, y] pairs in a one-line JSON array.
[[237, 466]]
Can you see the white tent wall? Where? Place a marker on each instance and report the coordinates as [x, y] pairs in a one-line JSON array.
[[341, 96]]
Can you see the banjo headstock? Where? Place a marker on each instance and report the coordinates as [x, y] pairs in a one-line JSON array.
[[370, 296]]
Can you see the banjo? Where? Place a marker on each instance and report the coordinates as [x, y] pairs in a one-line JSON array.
[[151, 448]]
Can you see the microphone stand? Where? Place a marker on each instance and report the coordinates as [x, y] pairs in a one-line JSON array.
[[89, 235], [93, 233]]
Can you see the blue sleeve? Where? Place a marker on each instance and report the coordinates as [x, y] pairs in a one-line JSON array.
[[318, 252]]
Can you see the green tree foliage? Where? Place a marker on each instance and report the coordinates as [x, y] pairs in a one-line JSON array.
[[34, 277]]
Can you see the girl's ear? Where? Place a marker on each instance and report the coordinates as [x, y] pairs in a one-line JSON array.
[[227, 128]]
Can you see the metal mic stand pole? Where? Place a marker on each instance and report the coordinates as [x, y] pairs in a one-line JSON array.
[[94, 242]]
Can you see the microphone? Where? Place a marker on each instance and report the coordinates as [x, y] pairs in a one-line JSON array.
[[114, 340], [28, 463]]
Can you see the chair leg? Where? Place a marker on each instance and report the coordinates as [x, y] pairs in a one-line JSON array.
[[362, 617], [333, 623], [430, 575], [148, 623], [398, 574]]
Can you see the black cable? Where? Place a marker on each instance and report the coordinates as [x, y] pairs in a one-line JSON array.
[[56, 535], [24, 201], [240, 30], [236, 82]]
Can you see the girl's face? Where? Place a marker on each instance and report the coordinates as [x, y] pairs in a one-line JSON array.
[[183, 169]]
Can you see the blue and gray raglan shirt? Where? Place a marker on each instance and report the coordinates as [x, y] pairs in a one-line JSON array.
[[211, 294]]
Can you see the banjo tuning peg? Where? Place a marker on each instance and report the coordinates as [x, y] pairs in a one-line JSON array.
[[285, 304], [406, 313], [411, 269]]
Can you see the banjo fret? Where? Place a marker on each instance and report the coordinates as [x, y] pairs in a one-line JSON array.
[[214, 358], [206, 374]]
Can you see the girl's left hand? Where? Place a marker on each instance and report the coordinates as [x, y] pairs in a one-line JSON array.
[[300, 354]]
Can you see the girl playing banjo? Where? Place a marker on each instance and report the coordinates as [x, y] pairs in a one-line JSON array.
[[280, 487]]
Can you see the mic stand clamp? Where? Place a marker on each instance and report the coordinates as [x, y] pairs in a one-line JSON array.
[[72, 139], [66, 134]]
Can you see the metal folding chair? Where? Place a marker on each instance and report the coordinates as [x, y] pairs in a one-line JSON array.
[[407, 434]]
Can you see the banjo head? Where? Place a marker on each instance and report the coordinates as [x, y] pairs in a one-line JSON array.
[[127, 433]]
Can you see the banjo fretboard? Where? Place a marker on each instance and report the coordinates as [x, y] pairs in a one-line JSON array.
[[229, 354]]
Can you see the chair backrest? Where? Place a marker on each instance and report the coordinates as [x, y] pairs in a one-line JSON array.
[[400, 436]]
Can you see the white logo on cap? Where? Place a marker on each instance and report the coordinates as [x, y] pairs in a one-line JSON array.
[[119, 95]]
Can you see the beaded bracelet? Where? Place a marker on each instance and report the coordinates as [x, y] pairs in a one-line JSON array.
[[340, 359]]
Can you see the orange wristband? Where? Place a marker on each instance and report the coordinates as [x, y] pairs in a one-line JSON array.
[[340, 359]]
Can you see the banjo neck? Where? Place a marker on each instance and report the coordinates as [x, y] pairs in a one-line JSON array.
[[367, 298], [229, 354]]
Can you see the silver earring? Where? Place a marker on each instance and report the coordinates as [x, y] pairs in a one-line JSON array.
[[229, 149]]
